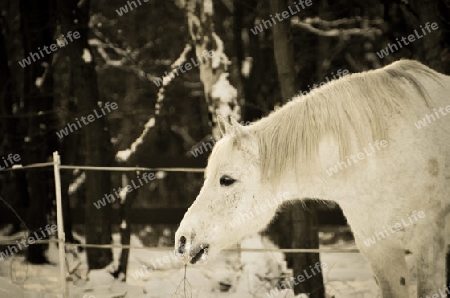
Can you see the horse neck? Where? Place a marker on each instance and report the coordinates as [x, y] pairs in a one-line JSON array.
[[313, 187]]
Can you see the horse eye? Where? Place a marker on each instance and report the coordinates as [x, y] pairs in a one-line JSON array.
[[226, 181]]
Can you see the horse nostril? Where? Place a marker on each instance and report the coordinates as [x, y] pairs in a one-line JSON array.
[[182, 245], [199, 254]]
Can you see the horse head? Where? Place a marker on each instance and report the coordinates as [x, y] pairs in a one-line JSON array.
[[225, 210]]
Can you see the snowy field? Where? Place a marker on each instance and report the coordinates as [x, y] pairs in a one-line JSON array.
[[250, 274]]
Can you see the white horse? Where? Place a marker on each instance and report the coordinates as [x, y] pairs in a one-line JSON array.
[[354, 141]]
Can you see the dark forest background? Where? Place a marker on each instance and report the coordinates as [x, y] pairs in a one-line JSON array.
[[117, 58]]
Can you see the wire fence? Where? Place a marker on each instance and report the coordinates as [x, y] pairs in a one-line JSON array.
[[57, 167]]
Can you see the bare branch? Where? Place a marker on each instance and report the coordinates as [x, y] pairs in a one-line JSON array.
[[340, 22], [126, 61], [368, 32]]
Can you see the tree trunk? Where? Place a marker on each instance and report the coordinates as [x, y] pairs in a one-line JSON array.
[[284, 52], [37, 26], [434, 50], [12, 183], [213, 71], [125, 206], [75, 17], [296, 223], [68, 157]]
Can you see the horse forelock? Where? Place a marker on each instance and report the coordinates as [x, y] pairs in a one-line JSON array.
[[355, 107]]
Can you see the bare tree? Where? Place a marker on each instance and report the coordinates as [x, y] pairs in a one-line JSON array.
[[37, 26], [435, 51], [296, 223], [75, 17], [221, 96]]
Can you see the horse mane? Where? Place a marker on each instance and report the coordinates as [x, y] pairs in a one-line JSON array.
[[355, 106]]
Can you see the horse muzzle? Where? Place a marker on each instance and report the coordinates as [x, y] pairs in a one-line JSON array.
[[191, 253]]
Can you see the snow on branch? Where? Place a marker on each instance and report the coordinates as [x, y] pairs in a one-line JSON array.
[[226, 96], [306, 24], [219, 57], [123, 155], [170, 76], [220, 94], [340, 22], [126, 62], [75, 185]]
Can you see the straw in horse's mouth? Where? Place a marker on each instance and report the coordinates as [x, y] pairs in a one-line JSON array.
[[203, 249]]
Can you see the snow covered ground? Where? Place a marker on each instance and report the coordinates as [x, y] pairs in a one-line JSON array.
[[250, 274]]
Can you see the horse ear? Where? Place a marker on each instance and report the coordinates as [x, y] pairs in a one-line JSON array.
[[244, 139], [224, 127], [238, 129], [240, 132]]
